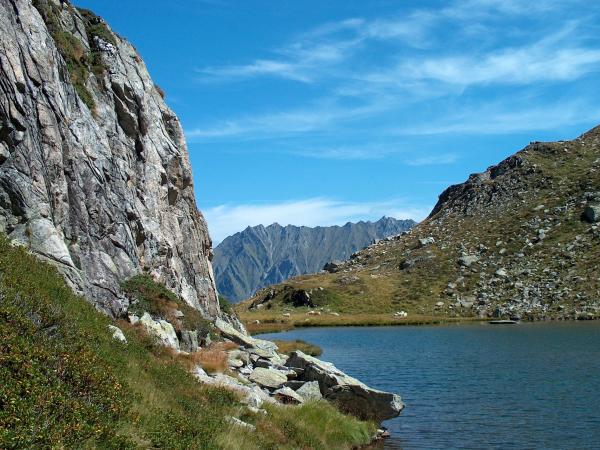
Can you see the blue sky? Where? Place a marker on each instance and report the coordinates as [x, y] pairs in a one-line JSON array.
[[316, 113]]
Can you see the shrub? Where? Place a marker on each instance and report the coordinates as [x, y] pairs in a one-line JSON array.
[[225, 305], [148, 295]]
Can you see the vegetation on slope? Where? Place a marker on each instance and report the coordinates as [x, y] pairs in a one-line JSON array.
[[80, 62], [66, 383], [520, 220]]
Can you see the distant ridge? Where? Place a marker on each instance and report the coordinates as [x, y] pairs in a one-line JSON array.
[[260, 256]]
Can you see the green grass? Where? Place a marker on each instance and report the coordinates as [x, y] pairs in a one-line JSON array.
[[154, 298], [288, 347], [65, 383]]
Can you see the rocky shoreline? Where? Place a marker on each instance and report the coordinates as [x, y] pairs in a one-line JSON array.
[[260, 375]]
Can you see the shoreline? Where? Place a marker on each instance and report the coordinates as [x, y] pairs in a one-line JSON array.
[[271, 325], [276, 325]]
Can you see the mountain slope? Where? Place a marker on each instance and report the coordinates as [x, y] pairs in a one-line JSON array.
[[260, 256], [94, 170], [510, 242]]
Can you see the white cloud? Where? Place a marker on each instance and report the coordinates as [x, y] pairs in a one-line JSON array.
[[433, 160], [502, 119], [319, 117], [225, 220]]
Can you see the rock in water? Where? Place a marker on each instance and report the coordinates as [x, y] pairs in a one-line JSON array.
[[95, 178], [348, 393]]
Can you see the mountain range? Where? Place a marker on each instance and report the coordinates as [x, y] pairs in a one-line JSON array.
[[260, 256]]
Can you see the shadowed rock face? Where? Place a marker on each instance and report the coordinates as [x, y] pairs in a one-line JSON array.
[[104, 192], [260, 256]]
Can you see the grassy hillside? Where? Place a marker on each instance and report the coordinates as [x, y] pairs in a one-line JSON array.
[[66, 383], [528, 252]]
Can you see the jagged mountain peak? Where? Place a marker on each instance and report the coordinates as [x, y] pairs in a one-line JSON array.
[[258, 256]]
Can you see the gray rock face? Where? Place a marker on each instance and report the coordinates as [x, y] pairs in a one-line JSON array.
[[103, 193], [260, 256]]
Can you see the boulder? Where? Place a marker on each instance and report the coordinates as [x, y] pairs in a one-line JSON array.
[[502, 273], [117, 334], [267, 349], [189, 341], [269, 378], [162, 330], [424, 242], [467, 260], [239, 423], [333, 266], [251, 395], [287, 396], [310, 391], [349, 394], [591, 213]]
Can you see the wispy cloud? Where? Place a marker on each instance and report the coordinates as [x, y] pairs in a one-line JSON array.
[[433, 160], [478, 53], [553, 58], [225, 220], [500, 119], [319, 116]]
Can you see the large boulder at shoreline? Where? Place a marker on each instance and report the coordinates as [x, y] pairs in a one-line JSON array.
[[351, 395]]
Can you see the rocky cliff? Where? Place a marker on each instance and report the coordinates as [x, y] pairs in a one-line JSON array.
[[260, 256], [94, 170]]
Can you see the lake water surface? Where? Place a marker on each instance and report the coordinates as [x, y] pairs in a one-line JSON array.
[[477, 386]]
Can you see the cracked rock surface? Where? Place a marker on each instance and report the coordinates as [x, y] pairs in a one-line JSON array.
[[103, 192]]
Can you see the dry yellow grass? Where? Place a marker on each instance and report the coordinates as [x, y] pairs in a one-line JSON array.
[[273, 322]]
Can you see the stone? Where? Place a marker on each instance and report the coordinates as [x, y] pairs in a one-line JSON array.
[[467, 301], [189, 341], [160, 329], [502, 273], [287, 396], [591, 213], [261, 347], [294, 384], [424, 242], [349, 394], [333, 266], [310, 391], [269, 378], [251, 395], [239, 355], [117, 334], [468, 260], [239, 423], [133, 319]]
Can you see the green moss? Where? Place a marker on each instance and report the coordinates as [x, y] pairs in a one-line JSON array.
[[156, 299], [225, 305]]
